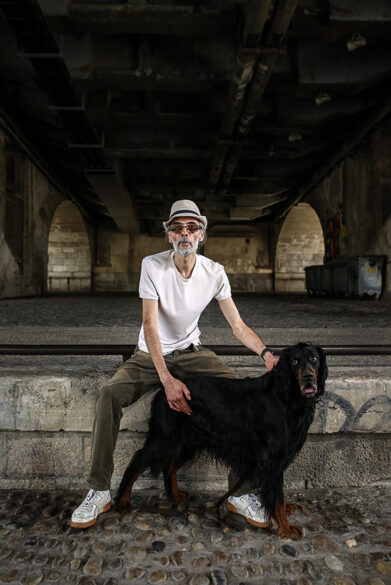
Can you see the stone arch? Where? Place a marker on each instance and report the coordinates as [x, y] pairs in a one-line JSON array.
[[300, 243], [69, 255]]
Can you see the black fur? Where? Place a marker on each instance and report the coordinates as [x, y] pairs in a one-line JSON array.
[[255, 426]]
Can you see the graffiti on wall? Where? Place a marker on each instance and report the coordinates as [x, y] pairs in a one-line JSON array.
[[336, 232]]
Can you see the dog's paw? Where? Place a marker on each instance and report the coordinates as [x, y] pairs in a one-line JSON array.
[[290, 531], [290, 509], [180, 496], [123, 506]]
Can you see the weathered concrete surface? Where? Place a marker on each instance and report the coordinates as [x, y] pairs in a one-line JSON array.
[[45, 423]]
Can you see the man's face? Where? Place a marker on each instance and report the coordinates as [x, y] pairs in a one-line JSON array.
[[183, 239]]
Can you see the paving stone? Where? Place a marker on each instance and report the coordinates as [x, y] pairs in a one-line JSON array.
[[158, 546], [221, 557], [269, 549], [177, 558], [325, 544], [157, 577], [144, 536], [343, 580], [239, 571], [164, 561], [135, 553], [384, 568], [32, 579], [93, 566], [201, 563], [288, 550], [333, 563], [52, 576], [136, 573], [219, 578], [256, 569], [376, 581], [80, 551], [114, 564], [10, 577], [199, 580], [198, 546], [177, 576]]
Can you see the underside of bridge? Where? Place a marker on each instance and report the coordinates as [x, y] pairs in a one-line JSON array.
[[243, 106]]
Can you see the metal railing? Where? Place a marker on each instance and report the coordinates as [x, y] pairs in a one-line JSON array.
[[126, 350]]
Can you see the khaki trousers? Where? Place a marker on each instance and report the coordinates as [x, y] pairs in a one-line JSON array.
[[131, 382]]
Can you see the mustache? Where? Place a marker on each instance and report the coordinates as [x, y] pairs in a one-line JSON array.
[[184, 239]]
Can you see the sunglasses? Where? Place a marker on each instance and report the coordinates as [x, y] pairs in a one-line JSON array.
[[177, 228]]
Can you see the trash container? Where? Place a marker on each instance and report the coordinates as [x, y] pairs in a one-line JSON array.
[[365, 276], [313, 279]]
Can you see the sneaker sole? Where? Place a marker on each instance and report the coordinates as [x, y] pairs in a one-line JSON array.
[[90, 522], [232, 508]]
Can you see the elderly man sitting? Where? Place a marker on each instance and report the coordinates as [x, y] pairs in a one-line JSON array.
[[175, 287]]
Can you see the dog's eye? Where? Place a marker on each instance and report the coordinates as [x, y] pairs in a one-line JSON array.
[[295, 362], [313, 359]]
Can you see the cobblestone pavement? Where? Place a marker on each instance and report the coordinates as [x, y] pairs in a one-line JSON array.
[[347, 541], [109, 310]]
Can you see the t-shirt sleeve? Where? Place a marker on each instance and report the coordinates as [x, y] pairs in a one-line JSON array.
[[147, 289], [223, 288]]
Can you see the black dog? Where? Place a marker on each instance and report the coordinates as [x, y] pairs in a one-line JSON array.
[[255, 426]]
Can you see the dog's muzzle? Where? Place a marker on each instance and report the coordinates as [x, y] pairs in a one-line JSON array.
[[308, 385]]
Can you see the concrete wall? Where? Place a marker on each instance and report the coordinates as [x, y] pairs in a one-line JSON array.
[[69, 264], [300, 244], [245, 258], [36, 199], [46, 419], [358, 190]]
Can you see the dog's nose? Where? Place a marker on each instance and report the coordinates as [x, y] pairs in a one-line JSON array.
[[308, 374]]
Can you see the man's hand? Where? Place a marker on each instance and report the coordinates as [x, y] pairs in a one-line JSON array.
[[270, 360], [175, 389]]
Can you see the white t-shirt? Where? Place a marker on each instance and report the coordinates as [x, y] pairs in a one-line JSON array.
[[181, 300]]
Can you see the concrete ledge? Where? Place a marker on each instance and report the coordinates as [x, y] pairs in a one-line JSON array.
[[46, 419], [60, 460], [355, 400]]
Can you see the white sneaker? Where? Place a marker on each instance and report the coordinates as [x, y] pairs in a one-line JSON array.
[[94, 504], [251, 508]]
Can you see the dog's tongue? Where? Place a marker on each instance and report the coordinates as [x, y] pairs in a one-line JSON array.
[[308, 390]]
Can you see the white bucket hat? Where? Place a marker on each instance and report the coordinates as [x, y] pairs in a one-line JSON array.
[[185, 208]]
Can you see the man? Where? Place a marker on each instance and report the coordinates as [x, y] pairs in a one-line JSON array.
[[175, 287]]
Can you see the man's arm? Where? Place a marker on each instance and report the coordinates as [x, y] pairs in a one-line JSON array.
[[175, 389], [242, 332]]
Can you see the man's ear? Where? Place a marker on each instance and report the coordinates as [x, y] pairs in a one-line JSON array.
[[202, 236]]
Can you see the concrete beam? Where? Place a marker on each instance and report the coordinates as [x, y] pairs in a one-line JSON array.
[[136, 18], [320, 64], [117, 200]]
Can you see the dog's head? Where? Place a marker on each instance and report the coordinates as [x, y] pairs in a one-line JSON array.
[[307, 363]]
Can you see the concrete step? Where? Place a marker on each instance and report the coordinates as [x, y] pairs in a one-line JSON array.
[[47, 405]]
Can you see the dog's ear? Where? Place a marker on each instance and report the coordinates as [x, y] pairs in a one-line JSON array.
[[284, 370], [323, 370]]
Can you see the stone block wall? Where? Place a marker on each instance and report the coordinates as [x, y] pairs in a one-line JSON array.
[[46, 419], [69, 265], [300, 244]]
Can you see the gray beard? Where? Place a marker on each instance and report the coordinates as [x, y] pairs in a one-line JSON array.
[[185, 251]]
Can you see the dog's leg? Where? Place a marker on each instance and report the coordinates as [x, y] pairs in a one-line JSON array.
[[285, 530], [123, 504], [172, 489], [290, 509]]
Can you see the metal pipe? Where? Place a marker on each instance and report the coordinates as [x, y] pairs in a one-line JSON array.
[[121, 349], [279, 27], [255, 19]]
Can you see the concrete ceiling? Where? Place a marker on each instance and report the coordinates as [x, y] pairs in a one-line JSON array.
[[242, 106]]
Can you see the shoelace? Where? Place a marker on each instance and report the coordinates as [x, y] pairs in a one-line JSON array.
[[254, 502], [87, 501]]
